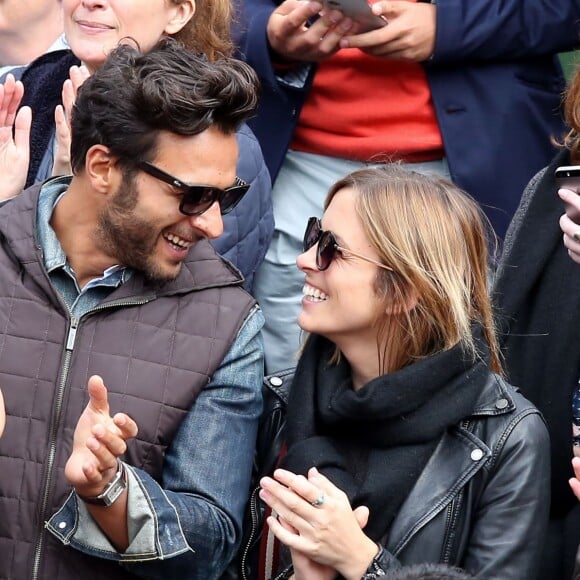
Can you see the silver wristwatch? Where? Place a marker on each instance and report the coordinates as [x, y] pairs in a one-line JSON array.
[[113, 490]]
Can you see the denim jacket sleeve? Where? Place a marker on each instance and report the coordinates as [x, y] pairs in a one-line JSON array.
[[190, 526]]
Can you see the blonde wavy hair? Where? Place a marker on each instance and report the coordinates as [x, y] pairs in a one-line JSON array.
[[572, 116], [209, 29], [436, 239]]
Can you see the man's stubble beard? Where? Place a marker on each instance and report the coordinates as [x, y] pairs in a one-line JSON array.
[[131, 240]]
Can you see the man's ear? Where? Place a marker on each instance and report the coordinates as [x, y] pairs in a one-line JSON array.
[[101, 169], [180, 15]]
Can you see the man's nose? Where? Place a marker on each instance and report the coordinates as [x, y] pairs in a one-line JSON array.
[[209, 223]]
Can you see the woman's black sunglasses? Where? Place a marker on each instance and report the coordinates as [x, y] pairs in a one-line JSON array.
[[199, 198], [327, 246]]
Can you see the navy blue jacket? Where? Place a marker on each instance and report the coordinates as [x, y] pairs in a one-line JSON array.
[[248, 228], [495, 81]]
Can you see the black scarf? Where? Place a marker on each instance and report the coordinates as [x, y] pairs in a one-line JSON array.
[[537, 293], [43, 80], [373, 443]]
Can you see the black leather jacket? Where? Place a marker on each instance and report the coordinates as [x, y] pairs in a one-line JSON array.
[[481, 502]]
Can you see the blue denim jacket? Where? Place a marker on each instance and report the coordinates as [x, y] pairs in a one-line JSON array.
[[190, 526]]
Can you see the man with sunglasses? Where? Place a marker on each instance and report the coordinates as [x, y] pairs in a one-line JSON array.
[[130, 357]]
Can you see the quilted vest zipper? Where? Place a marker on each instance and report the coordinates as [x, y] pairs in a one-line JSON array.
[[70, 341], [55, 421]]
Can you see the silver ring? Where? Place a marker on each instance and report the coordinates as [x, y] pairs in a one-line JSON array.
[[319, 501]]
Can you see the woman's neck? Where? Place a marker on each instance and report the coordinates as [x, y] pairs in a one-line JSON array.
[[364, 362], [367, 358]]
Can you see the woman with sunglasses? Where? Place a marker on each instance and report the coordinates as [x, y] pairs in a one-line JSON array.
[[92, 29], [404, 445]]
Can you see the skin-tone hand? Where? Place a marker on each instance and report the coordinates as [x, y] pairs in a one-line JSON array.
[[306, 568], [11, 93], [409, 34], [292, 40], [98, 441], [62, 115], [14, 138], [569, 223], [329, 534], [575, 481]]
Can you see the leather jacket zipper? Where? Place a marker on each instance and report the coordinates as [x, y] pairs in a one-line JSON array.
[[451, 516], [450, 521], [255, 522]]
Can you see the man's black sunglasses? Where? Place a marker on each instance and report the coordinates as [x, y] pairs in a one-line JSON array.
[[328, 246], [199, 198]]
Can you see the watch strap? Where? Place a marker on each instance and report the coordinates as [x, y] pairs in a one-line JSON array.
[[113, 490], [375, 569]]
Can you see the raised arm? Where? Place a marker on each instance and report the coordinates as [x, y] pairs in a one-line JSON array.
[[189, 524], [14, 138]]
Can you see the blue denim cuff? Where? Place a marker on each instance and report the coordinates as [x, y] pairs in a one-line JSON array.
[[153, 534]]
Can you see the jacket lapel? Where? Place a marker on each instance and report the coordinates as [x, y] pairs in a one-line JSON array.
[[448, 470], [459, 456]]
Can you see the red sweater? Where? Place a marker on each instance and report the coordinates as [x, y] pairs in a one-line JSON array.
[[368, 108]]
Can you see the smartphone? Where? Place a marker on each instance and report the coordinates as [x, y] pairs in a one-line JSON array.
[[568, 177], [359, 11]]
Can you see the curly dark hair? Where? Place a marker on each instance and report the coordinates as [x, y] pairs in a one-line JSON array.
[[133, 96]]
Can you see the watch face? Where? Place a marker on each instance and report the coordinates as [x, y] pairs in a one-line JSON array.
[[112, 492]]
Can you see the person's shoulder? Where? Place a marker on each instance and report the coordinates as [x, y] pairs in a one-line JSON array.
[[505, 417], [54, 65], [501, 408], [251, 163], [498, 397], [539, 190], [62, 55], [545, 176]]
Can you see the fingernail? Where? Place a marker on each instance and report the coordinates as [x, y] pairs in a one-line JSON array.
[[335, 16], [346, 24], [314, 475], [98, 430], [265, 482], [565, 193], [343, 43], [282, 473]]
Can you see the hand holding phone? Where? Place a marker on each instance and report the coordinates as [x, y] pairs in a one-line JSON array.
[[568, 180], [568, 177], [359, 10]]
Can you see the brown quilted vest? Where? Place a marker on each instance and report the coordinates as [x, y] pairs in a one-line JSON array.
[[155, 347]]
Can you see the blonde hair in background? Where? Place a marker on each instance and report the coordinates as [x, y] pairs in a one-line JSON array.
[[572, 116], [209, 29], [435, 238]]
